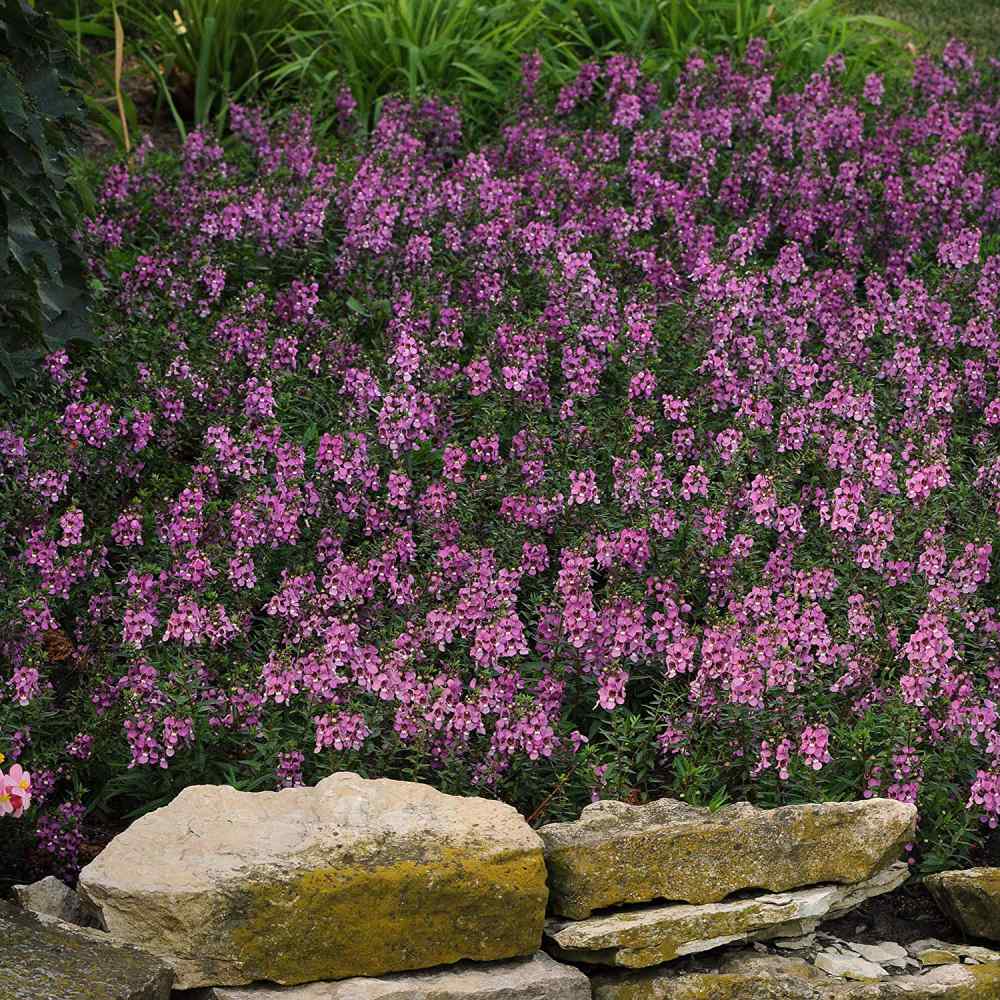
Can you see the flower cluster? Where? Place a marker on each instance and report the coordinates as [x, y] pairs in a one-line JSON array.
[[15, 791], [650, 447]]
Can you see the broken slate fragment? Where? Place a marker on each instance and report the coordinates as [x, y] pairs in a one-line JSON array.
[[849, 966], [796, 943], [747, 975], [887, 953]]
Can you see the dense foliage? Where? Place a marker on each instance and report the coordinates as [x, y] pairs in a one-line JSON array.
[[649, 448], [201, 54], [473, 50], [42, 300]]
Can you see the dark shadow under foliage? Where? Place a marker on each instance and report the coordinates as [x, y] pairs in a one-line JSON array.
[[42, 289]]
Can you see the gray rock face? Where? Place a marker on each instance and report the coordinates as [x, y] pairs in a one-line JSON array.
[[54, 899], [659, 933], [42, 958], [350, 878], [535, 978], [971, 898], [618, 853]]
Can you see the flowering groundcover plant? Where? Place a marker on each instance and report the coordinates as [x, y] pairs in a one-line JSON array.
[[651, 448]]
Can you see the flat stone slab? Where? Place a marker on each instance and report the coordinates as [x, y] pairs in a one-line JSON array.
[[535, 978], [619, 853], [849, 966], [932, 951], [970, 898], [659, 933], [887, 953], [349, 878], [750, 976], [42, 958]]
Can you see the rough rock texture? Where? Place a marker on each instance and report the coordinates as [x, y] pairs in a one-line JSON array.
[[887, 953], [54, 899], [42, 958], [658, 933], [929, 951], [849, 966], [970, 898], [535, 978], [352, 877], [618, 853], [748, 976]]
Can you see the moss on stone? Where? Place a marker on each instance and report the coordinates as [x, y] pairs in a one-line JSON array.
[[643, 945], [332, 923], [974, 982], [986, 979], [704, 858], [971, 898], [704, 986], [937, 956]]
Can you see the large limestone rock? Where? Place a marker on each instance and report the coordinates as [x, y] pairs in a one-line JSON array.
[[970, 898], [535, 978], [618, 853], [748, 976], [42, 958], [352, 877], [654, 934]]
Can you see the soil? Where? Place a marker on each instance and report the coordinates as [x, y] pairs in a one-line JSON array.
[[153, 116], [906, 915]]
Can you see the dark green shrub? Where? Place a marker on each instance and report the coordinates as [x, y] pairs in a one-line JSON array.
[[42, 299]]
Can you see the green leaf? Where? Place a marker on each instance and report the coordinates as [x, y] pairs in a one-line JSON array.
[[85, 27], [203, 96], [12, 109], [43, 86], [43, 291]]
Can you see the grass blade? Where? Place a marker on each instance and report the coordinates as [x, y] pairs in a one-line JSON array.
[[202, 95], [119, 67]]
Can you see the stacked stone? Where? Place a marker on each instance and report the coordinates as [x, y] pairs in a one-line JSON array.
[[387, 890], [680, 892]]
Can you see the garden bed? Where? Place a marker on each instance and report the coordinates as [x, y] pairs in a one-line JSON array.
[[646, 446]]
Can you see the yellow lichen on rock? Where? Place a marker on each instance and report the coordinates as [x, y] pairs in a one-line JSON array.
[[364, 921], [618, 853], [971, 898], [748, 976], [352, 877]]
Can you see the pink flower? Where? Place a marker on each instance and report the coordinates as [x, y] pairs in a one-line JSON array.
[[15, 791], [874, 89]]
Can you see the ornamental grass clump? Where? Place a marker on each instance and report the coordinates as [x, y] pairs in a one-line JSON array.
[[652, 447]]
